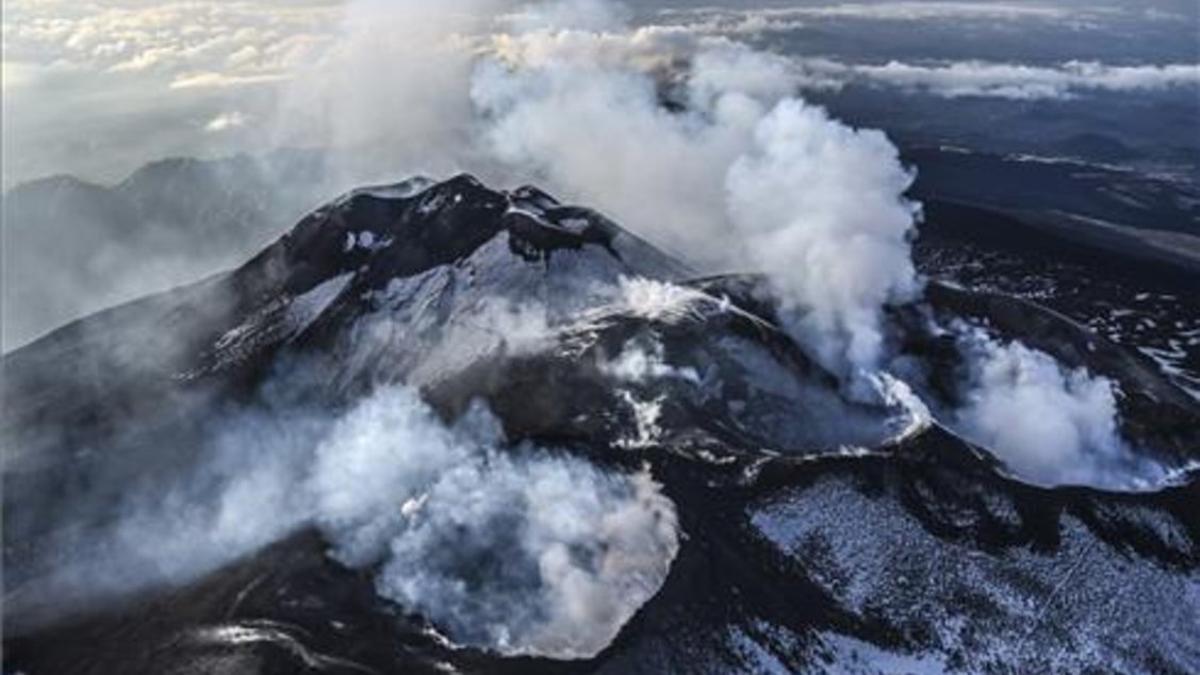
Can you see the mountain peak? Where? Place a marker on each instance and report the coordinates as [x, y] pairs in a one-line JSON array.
[[400, 229]]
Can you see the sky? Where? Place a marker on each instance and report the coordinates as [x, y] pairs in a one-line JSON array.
[[96, 88]]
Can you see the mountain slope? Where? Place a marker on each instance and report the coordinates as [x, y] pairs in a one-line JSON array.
[[817, 529]]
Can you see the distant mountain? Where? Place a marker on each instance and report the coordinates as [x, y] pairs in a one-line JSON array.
[[72, 247], [820, 528]]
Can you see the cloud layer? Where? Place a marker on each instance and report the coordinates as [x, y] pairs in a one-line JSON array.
[[177, 40], [1006, 80], [758, 21], [152, 75]]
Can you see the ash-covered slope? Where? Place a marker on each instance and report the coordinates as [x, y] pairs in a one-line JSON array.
[[168, 506]]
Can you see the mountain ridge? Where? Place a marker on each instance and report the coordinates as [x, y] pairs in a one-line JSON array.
[[806, 515]]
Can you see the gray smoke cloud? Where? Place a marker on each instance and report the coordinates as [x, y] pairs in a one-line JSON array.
[[387, 96], [570, 95], [73, 248], [521, 550]]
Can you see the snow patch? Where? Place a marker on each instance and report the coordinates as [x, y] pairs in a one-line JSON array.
[[306, 307], [1079, 607], [659, 300]]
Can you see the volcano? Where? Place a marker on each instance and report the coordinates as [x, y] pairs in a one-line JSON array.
[[785, 521]]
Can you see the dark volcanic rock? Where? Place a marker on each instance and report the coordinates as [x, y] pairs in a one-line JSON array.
[[818, 530]]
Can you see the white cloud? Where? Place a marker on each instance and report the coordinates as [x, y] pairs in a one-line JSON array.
[[226, 121], [1016, 81], [590, 15], [247, 39], [1049, 424], [391, 85], [113, 58], [723, 20], [211, 80], [920, 11]]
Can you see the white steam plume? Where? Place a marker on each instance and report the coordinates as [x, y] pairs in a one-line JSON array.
[[818, 206], [519, 550], [745, 176], [523, 553], [389, 95], [1049, 424]]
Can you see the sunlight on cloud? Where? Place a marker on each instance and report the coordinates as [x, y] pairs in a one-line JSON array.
[[242, 39], [1016, 81], [226, 122]]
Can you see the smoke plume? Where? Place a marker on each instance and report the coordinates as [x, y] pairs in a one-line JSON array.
[[745, 176], [1049, 424], [522, 550]]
